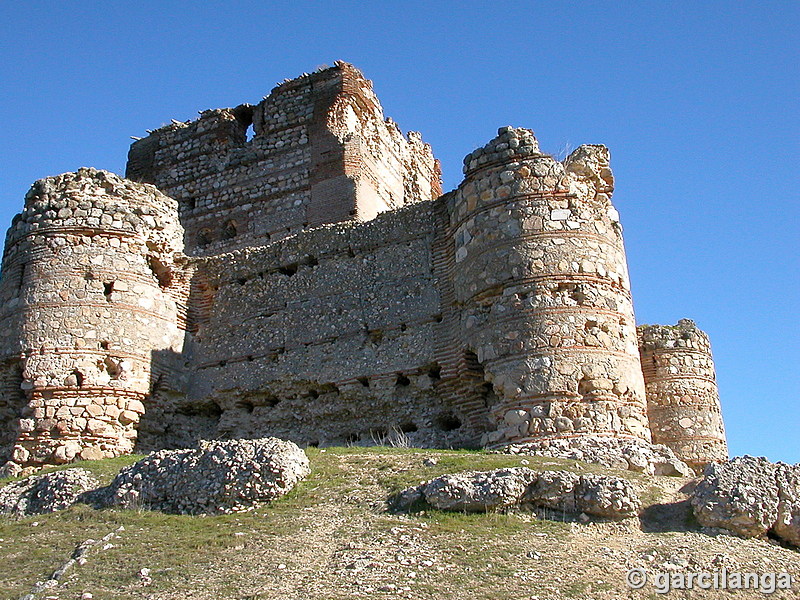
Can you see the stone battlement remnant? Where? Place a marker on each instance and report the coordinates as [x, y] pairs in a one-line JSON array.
[[311, 282]]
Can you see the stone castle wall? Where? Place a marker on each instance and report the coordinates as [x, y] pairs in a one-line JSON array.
[[320, 152], [682, 398], [326, 338], [311, 282]]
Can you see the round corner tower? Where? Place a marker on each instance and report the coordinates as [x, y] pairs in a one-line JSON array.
[[86, 304], [541, 278], [682, 397]]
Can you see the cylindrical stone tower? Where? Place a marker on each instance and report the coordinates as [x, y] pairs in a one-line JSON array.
[[682, 398], [86, 304], [541, 276]]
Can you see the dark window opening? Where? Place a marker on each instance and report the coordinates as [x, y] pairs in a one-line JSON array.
[[403, 327], [408, 427], [244, 114], [486, 392], [105, 345], [108, 289], [230, 230], [402, 380], [288, 270], [78, 378], [204, 237], [435, 371], [447, 422], [313, 394], [363, 381], [210, 410], [189, 203]]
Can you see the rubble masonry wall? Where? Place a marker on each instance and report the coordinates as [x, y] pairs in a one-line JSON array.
[[320, 152], [682, 396], [84, 302]]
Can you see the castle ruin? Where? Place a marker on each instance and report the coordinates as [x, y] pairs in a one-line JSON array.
[[310, 281]]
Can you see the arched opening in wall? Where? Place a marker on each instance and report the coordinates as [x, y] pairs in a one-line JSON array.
[[230, 230], [76, 379], [402, 381], [249, 133], [364, 381], [108, 290], [204, 237], [188, 203]]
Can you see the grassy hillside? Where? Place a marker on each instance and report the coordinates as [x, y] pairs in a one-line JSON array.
[[332, 538]]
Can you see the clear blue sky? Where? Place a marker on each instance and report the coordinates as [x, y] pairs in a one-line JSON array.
[[698, 102]]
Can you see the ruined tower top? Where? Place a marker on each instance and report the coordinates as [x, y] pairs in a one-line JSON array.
[[317, 150]]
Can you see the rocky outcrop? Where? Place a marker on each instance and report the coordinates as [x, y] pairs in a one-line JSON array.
[[751, 497], [631, 454], [478, 491], [45, 493], [217, 477], [471, 491]]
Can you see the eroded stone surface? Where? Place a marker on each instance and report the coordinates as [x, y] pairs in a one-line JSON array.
[[40, 494], [476, 491], [751, 496], [218, 477], [626, 453]]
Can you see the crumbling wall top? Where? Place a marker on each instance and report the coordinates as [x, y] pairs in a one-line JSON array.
[[684, 334], [95, 199]]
